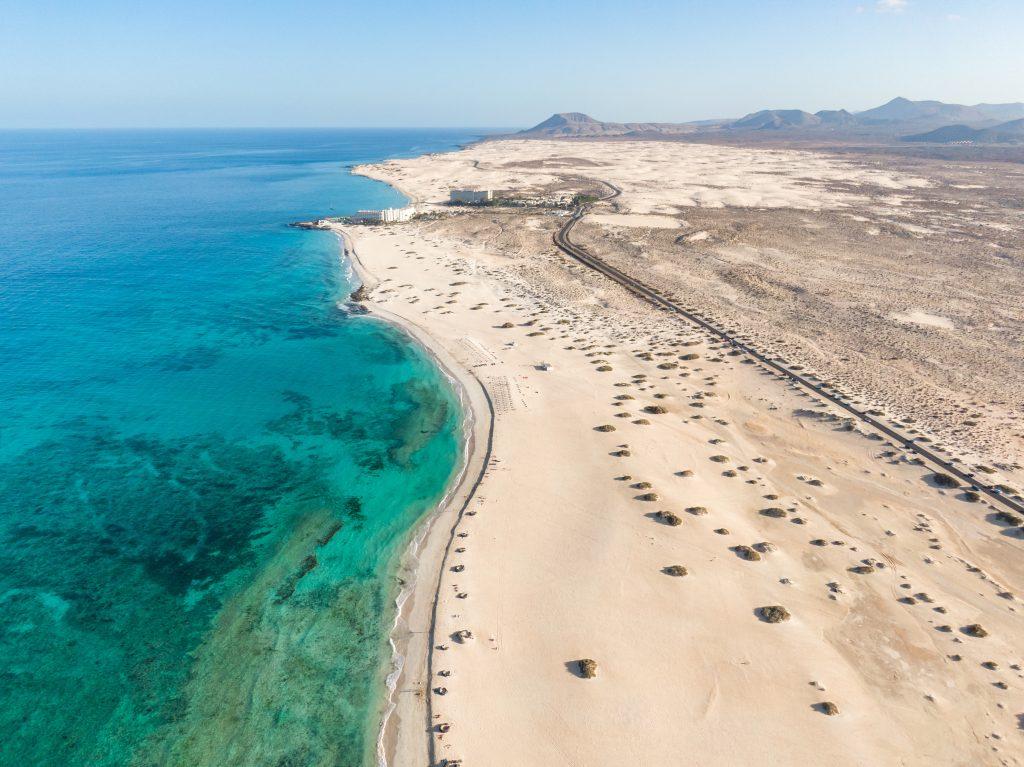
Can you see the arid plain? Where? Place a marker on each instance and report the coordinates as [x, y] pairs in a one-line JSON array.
[[757, 577]]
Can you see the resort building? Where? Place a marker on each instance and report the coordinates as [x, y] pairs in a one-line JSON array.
[[386, 216], [470, 196]]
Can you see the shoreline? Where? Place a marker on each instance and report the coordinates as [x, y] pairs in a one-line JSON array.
[[864, 554], [426, 552]]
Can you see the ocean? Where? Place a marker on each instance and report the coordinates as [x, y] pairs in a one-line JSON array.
[[208, 468]]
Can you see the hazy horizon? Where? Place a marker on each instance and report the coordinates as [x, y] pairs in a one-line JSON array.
[[481, 128], [317, 64]]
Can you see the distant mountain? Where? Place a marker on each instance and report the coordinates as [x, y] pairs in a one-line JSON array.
[[774, 119], [836, 117], [897, 117], [1007, 133], [901, 110], [1002, 112], [579, 125], [778, 119], [571, 124]]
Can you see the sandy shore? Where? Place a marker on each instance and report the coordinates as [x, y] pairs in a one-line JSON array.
[[400, 739], [626, 443]]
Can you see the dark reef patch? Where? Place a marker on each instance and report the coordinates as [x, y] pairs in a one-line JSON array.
[[103, 539], [196, 358]]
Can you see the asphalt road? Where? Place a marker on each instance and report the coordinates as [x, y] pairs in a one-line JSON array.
[[653, 296]]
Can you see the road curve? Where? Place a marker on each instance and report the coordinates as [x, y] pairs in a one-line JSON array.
[[653, 296]]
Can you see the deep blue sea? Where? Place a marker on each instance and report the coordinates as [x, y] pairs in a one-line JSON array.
[[207, 466]]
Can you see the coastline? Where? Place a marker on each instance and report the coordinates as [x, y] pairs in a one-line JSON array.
[[420, 565], [562, 559]]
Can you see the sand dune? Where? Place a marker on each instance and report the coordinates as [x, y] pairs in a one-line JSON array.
[[659, 177], [651, 498], [811, 254]]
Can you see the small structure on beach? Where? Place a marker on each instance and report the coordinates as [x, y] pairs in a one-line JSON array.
[[385, 216], [470, 196]]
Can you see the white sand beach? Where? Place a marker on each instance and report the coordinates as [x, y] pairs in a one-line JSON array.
[[625, 443]]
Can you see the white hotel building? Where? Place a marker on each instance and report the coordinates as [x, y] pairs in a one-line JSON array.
[[386, 216], [470, 196]]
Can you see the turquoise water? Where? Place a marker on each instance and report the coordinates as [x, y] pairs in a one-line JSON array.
[[207, 466]]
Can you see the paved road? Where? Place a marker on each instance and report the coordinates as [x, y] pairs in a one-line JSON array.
[[653, 296]]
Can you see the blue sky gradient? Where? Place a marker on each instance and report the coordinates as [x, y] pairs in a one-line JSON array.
[[112, 63]]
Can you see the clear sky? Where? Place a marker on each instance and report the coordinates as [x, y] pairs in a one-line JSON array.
[[100, 63]]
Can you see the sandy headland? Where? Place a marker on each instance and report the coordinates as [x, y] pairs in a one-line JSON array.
[[756, 577]]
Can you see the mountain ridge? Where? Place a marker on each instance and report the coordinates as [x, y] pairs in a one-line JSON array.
[[570, 124], [901, 109], [897, 116], [1005, 133]]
